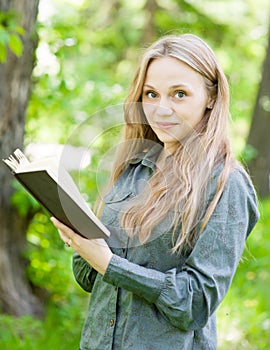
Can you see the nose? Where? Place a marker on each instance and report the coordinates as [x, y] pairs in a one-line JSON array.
[[164, 107]]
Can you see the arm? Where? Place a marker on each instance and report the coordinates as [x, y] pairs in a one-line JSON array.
[[84, 274], [188, 297]]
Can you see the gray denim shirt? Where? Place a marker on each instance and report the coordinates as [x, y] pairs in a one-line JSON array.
[[151, 299]]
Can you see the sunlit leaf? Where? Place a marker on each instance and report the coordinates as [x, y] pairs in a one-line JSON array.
[[3, 53], [15, 44]]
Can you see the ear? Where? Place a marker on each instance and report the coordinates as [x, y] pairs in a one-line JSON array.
[[210, 103]]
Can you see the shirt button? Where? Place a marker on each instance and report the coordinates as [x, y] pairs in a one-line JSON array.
[[111, 323]]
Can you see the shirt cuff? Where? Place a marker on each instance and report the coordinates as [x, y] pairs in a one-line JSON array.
[[144, 282]]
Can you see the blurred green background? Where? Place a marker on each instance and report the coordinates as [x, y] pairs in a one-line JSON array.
[[85, 59]]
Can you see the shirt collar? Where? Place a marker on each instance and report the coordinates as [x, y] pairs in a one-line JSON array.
[[148, 157]]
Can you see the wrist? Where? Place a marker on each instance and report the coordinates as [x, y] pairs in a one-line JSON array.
[[103, 264]]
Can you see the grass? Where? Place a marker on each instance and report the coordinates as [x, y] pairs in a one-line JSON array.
[[243, 319]]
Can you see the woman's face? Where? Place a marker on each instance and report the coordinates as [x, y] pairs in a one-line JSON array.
[[174, 100]]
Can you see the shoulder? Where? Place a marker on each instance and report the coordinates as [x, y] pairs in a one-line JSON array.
[[238, 178], [240, 181], [240, 197]]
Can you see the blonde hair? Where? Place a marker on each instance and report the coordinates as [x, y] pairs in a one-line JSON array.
[[179, 184]]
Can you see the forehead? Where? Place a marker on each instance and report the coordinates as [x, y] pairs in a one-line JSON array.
[[170, 70]]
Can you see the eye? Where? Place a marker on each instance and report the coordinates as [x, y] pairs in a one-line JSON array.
[[179, 94], [150, 94]]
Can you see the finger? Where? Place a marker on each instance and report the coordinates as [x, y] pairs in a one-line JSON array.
[[68, 236], [67, 240], [62, 235], [60, 226]]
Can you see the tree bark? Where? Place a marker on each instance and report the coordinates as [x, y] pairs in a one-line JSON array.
[[16, 296], [149, 33], [259, 133]]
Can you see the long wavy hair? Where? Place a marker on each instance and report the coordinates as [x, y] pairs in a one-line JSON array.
[[179, 184]]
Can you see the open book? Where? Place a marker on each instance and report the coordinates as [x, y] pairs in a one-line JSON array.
[[54, 189]]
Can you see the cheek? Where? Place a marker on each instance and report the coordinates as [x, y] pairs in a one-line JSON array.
[[192, 114], [149, 110]]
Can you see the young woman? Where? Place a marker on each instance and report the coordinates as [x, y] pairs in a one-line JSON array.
[[179, 209]]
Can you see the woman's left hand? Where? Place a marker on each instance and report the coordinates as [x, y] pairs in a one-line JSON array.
[[95, 251]]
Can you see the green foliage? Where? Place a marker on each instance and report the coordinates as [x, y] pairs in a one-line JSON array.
[[50, 261], [22, 201], [65, 303], [59, 330], [10, 35], [248, 153]]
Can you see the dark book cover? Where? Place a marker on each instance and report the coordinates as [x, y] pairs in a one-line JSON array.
[[60, 205]]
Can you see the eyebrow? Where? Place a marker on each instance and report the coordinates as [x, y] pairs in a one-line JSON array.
[[182, 85]]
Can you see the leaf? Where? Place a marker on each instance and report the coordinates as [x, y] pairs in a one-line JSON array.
[[3, 53], [19, 30], [4, 36], [15, 44]]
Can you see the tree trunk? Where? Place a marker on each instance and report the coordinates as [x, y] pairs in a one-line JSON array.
[[16, 296], [149, 34], [259, 137]]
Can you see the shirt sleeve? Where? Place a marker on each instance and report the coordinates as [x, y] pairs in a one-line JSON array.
[[84, 274], [187, 298]]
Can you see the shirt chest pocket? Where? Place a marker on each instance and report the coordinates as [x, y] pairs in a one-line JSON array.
[[114, 206]]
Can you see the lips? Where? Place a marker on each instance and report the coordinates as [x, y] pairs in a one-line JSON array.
[[165, 125]]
